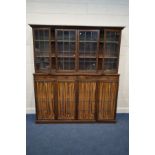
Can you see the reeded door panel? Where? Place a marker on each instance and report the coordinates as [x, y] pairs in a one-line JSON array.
[[45, 100], [107, 100], [66, 100], [86, 105]]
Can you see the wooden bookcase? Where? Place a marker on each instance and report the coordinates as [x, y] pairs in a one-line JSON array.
[[76, 73]]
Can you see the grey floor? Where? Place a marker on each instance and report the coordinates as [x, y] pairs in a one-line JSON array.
[[78, 139]]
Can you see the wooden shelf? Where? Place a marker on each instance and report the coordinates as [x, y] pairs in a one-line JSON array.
[[71, 41], [86, 56], [116, 42], [66, 71], [53, 55], [110, 57], [89, 41], [66, 56], [100, 56]]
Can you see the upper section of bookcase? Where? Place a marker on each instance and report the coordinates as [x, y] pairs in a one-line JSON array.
[[76, 49]]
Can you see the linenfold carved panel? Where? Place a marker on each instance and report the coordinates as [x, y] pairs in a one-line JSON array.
[[45, 99], [86, 105], [66, 100]]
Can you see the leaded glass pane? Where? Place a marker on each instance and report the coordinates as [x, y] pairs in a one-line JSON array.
[[42, 64], [110, 64], [66, 63], [87, 64]]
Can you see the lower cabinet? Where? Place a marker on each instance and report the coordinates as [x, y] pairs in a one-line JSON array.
[[76, 100]]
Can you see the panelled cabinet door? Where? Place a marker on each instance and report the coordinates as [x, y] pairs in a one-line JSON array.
[[111, 50], [65, 49], [86, 105], [88, 47], [66, 100], [45, 100], [41, 49], [107, 100]]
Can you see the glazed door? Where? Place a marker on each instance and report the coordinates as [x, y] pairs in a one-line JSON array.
[[107, 100], [42, 50], [86, 105], [66, 100], [44, 92]]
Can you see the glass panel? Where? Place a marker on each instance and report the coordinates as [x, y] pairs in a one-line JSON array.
[[66, 63], [111, 49], [82, 35], [41, 34], [88, 36], [72, 35], [88, 48], [60, 47], [82, 48], [69, 47], [66, 35], [87, 64], [42, 64], [110, 64], [59, 35], [112, 36], [94, 36], [42, 48], [92, 47], [36, 33], [46, 35], [66, 48]]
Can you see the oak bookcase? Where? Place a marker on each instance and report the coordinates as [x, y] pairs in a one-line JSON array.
[[76, 73]]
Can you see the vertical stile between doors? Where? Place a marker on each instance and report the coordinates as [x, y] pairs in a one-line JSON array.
[[97, 101], [76, 98], [56, 99]]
